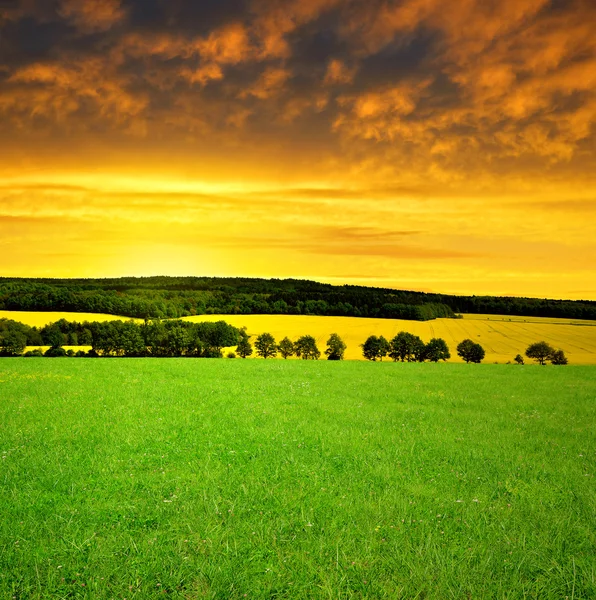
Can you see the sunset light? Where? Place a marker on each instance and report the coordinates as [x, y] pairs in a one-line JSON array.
[[408, 144]]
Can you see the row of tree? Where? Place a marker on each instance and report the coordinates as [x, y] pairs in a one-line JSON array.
[[305, 347], [405, 347], [181, 297], [183, 338], [543, 352], [123, 338], [175, 297]]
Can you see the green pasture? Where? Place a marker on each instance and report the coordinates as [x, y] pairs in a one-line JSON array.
[[231, 479]]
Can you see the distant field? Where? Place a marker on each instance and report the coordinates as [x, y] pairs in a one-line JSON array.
[[502, 340], [501, 336], [149, 478], [39, 319]]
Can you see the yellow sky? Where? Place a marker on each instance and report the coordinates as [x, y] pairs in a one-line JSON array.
[[399, 144]]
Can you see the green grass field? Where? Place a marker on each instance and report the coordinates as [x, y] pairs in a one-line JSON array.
[[271, 479]]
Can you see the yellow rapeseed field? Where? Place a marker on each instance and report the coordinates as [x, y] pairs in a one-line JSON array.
[[39, 319], [501, 336]]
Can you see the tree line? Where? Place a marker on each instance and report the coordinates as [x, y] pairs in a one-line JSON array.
[[121, 338], [175, 338], [175, 297]]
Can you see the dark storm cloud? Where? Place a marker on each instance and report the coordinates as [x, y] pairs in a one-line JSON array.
[[487, 82], [182, 16]]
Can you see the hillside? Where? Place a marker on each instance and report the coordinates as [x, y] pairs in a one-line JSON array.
[[173, 297]]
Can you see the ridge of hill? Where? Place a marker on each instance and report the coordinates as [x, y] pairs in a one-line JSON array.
[[174, 297]]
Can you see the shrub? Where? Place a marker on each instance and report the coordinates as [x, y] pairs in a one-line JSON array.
[[55, 352], [519, 359], [558, 358], [33, 353]]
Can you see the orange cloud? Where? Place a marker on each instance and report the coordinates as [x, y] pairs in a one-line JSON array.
[[59, 91], [228, 45], [93, 15], [270, 83], [338, 73]]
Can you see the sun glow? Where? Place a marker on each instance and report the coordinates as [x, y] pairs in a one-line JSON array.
[[409, 151]]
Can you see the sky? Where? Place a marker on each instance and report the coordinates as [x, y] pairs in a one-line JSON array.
[[414, 144]]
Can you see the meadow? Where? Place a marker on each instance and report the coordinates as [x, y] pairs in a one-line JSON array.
[[502, 337], [231, 479]]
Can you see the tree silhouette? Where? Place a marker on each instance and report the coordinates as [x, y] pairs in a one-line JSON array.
[[335, 347], [404, 345], [558, 358], [470, 351], [286, 348], [437, 350], [306, 348], [540, 352], [244, 347], [266, 346]]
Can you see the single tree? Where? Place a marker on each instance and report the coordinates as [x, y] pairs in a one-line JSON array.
[[437, 350], [558, 358], [306, 348], [384, 347], [470, 351], [403, 346], [519, 359], [335, 347], [244, 347], [371, 349], [540, 352], [286, 347], [266, 346]]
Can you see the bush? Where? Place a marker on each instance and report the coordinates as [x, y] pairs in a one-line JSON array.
[[33, 353], [232, 355], [519, 359], [55, 352], [558, 358]]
